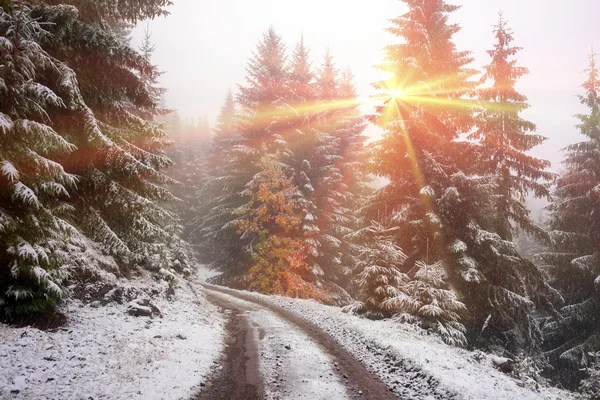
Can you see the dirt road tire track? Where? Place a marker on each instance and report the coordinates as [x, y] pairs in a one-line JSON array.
[[360, 382], [239, 378]]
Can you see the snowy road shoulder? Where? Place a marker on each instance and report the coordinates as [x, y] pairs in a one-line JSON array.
[[106, 353]]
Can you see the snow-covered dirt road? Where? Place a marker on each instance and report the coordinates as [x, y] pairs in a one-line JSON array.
[[273, 354], [381, 359]]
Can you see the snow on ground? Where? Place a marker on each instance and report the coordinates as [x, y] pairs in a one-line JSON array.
[[105, 353], [203, 273], [402, 356], [292, 366]]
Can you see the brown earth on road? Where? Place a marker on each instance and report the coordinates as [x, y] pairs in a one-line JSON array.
[[240, 378]]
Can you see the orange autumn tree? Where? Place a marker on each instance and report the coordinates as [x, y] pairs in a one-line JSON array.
[[273, 219]]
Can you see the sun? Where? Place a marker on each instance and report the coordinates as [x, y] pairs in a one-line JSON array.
[[396, 93]]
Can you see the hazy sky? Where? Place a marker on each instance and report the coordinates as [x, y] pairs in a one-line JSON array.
[[204, 46]]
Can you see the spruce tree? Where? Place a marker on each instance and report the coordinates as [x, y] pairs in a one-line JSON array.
[[301, 75], [313, 122], [300, 146], [264, 100], [34, 214], [442, 207], [378, 271], [505, 139], [344, 184], [323, 151], [385, 291], [590, 386], [189, 153], [119, 13], [573, 261], [120, 148], [219, 195], [86, 104], [262, 118]]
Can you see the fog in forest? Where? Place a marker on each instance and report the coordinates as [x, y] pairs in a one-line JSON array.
[[203, 47]]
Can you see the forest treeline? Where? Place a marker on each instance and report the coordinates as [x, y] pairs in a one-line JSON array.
[[282, 202]]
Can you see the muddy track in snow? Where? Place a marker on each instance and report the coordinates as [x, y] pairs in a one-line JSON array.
[[240, 379]]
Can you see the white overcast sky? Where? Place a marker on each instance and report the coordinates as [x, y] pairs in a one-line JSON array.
[[204, 46]]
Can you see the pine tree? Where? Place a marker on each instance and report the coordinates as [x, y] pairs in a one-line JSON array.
[[505, 138], [443, 209], [150, 76], [226, 120], [378, 275], [204, 129], [34, 216], [320, 141], [416, 152], [262, 119], [86, 100], [590, 386], [123, 12], [345, 181], [327, 80], [385, 291], [301, 75], [323, 151], [120, 148], [189, 153], [264, 100], [300, 146], [573, 261], [429, 298], [219, 193]]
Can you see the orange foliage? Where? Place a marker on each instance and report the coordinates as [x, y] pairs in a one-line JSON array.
[[280, 253]]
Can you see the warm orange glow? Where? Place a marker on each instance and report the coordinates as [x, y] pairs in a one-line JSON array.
[[396, 94]]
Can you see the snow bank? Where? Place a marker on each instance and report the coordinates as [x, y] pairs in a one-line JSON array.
[[105, 353]]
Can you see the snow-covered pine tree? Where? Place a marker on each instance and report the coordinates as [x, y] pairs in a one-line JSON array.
[[319, 140], [264, 116], [378, 276], [150, 76], [590, 386], [273, 218], [186, 150], [344, 184], [385, 291], [573, 261], [219, 194], [443, 209], [109, 117], [505, 138], [264, 101], [34, 227], [189, 153], [429, 297], [416, 152], [301, 77], [299, 145], [226, 121], [117, 13], [323, 151]]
